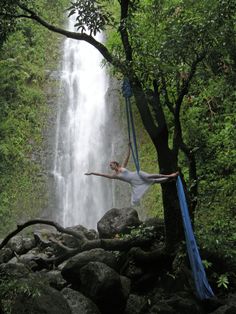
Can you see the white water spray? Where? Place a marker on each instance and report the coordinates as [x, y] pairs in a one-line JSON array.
[[82, 137]]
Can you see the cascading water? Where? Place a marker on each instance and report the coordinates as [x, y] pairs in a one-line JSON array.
[[83, 142]]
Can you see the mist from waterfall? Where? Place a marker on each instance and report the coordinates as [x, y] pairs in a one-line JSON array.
[[83, 143]]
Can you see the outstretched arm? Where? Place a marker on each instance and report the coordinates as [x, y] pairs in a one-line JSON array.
[[126, 160], [106, 175]]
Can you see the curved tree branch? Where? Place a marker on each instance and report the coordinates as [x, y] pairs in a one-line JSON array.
[[84, 245], [73, 35], [185, 88], [178, 136], [77, 235]]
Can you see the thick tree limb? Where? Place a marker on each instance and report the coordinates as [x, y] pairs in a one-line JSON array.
[[167, 100], [77, 235], [178, 142], [84, 245], [160, 256], [73, 35], [185, 88], [124, 4], [106, 244], [178, 136]]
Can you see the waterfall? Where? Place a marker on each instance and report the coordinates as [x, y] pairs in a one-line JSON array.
[[83, 141]]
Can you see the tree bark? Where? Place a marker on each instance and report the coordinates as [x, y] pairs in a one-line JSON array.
[[167, 164]]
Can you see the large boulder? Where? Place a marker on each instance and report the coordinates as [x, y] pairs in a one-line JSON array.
[[155, 225], [42, 300], [55, 279], [117, 221], [71, 271], [136, 304], [103, 285], [5, 255], [30, 293], [89, 234], [72, 242], [21, 245], [78, 303], [225, 309], [13, 270], [163, 308], [181, 303], [229, 307]]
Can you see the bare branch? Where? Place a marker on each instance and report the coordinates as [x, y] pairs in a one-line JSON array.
[[166, 96], [84, 245], [21, 227], [185, 88], [12, 16]]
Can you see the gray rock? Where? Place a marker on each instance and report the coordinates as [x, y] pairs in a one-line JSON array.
[[43, 236], [5, 255], [16, 244], [132, 271], [229, 307], [184, 305], [225, 309], [89, 234], [72, 242], [55, 279], [78, 303], [43, 300], [117, 221], [103, 285], [126, 285], [29, 244], [157, 225], [30, 259], [13, 270], [136, 304], [163, 308], [71, 271]]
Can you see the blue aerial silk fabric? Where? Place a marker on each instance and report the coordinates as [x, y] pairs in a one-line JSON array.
[[127, 93], [203, 288]]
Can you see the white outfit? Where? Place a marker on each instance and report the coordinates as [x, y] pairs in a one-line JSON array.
[[139, 181]]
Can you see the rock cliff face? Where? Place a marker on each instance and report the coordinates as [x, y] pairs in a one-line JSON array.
[[122, 269]]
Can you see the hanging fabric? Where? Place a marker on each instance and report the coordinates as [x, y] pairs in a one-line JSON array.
[[127, 93], [203, 288]]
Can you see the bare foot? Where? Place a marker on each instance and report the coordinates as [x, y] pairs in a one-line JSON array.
[[175, 174]]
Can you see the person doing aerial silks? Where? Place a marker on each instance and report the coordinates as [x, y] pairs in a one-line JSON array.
[[140, 181]]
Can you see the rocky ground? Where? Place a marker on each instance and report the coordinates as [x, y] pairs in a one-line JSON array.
[[122, 268]]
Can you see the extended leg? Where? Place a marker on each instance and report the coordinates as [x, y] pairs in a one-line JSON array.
[[161, 180], [159, 176]]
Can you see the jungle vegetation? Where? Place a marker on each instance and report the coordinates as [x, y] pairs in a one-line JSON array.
[[180, 58]]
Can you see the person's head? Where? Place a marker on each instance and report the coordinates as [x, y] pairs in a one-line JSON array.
[[114, 165]]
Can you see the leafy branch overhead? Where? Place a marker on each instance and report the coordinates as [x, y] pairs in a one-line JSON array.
[[91, 16]]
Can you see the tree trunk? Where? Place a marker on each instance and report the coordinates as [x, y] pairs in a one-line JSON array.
[[167, 164], [172, 214]]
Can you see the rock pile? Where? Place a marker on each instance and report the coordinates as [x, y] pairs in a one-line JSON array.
[[116, 270]]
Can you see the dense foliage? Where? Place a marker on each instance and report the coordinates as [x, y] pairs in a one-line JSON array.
[[27, 56], [167, 38]]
